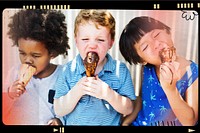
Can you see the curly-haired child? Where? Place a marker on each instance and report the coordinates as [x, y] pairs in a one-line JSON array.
[[40, 35]]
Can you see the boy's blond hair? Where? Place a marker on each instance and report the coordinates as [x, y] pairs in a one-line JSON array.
[[99, 17]]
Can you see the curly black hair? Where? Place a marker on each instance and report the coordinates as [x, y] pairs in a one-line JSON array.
[[46, 26]]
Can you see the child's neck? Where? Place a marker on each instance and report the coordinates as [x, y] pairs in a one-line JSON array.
[[47, 71]]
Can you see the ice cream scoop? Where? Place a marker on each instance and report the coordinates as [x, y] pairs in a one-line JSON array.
[[90, 63], [26, 72], [166, 54]]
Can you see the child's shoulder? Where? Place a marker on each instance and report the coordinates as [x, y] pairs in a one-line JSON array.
[[122, 64], [119, 64], [66, 65], [72, 64]]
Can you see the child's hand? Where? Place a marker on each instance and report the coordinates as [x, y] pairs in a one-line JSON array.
[[97, 88], [80, 87], [169, 74], [54, 122], [16, 89]]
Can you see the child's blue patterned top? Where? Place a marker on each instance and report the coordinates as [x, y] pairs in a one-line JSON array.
[[156, 110], [90, 110]]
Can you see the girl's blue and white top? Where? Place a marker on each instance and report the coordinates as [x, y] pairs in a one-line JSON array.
[[156, 110], [90, 110]]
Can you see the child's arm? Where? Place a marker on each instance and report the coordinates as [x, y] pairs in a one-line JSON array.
[[127, 120], [120, 103], [16, 89], [186, 110], [10, 95], [99, 89], [65, 104]]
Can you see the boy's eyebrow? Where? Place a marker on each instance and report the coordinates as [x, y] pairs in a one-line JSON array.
[[37, 53], [32, 52]]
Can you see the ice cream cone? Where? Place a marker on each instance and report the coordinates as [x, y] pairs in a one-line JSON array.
[[25, 73], [90, 63]]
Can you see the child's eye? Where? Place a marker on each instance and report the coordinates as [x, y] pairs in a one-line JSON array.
[[145, 47], [85, 39], [22, 53], [101, 40], [36, 56], [156, 34]]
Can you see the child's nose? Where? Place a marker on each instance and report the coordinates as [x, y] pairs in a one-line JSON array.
[[164, 45], [28, 60], [93, 44], [159, 45]]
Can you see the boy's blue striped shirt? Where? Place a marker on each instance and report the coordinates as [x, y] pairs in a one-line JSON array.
[[91, 110]]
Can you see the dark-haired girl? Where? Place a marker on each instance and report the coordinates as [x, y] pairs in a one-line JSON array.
[[170, 88]]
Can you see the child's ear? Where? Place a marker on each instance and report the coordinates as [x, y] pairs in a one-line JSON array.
[[75, 39], [111, 44], [144, 63]]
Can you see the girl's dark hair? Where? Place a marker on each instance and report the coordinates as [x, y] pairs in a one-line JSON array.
[[132, 34], [46, 26]]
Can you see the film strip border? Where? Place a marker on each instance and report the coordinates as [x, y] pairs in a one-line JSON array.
[[155, 6], [180, 6], [46, 7], [58, 130]]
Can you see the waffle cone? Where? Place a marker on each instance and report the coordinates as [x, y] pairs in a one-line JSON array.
[[26, 72]]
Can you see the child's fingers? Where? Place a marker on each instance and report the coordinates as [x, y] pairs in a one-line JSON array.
[[18, 89], [166, 73]]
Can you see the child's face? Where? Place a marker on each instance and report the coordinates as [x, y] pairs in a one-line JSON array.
[[34, 53], [89, 38], [151, 43]]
